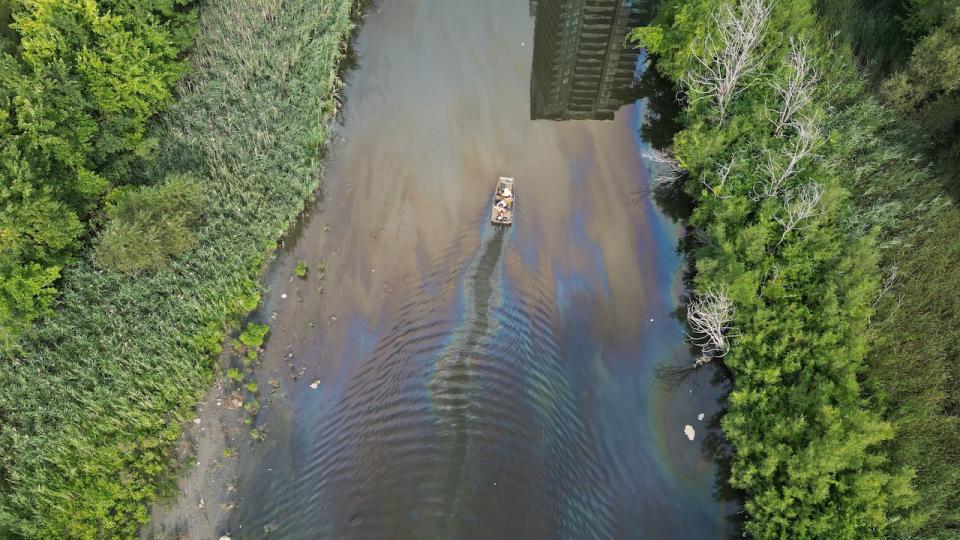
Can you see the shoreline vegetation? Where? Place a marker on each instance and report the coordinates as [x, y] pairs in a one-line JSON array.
[[823, 241], [155, 151], [96, 394]]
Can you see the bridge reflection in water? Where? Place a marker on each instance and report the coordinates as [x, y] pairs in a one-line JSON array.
[[583, 67]]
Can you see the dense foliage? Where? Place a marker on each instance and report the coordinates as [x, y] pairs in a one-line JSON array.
[[79, 79], [769, 144], [92, 403]]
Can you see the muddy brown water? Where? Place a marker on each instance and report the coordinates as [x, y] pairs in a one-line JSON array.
[[447, 378]]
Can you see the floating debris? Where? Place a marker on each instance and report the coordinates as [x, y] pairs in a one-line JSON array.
[[236, 401], [700, 417], [299, 373], [689, 432], [315, 384]]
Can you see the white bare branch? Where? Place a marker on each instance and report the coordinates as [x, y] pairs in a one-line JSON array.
[[797, 91], [780, 170], [739, 31], [800, 204], [666, 169], [710, 315], [890, 280], [772, 274], [723, 172]]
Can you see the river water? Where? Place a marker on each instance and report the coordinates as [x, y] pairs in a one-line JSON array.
[[446, 378]]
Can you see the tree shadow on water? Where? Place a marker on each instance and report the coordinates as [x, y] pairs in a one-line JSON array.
[[661, 121], [679, 370], [671, 375]]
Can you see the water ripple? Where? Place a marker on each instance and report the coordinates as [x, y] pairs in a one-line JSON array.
[[465, 407]]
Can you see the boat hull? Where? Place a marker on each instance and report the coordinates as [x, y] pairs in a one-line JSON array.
[[504, 202]]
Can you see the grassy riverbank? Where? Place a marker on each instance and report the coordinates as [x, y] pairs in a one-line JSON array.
[[907, 178], [93, 404]]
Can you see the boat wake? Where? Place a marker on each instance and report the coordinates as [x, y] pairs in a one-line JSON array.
[[463, 414]]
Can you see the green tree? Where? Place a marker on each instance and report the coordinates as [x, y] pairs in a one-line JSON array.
[[150, 224], [79, 82]]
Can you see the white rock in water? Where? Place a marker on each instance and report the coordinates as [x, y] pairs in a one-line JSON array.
[[700, 416], [689, 432]]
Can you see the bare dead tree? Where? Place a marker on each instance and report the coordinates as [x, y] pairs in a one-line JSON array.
[[797, 91], [780, 169], [800, 204], [723, 172], [739, 31], [666, 168], [710, 315]]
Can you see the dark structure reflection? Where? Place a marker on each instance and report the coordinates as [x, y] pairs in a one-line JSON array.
[[582, 66]]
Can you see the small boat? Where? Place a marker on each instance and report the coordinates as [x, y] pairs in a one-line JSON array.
[[503, 200]]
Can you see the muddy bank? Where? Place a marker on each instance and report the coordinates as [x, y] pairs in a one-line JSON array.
[[206, 489], [296, 53]]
